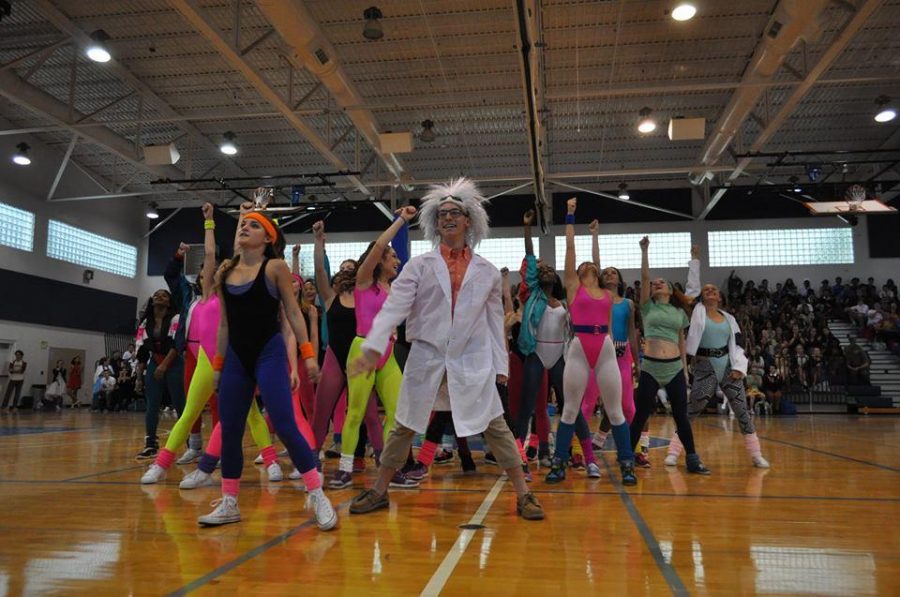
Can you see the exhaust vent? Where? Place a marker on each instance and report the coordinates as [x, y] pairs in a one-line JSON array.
[[322, 56]]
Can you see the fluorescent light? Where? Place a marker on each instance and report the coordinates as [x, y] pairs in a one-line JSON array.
[[21, 157], [227, 146], [886, 115], [684, 11], [97, 50]]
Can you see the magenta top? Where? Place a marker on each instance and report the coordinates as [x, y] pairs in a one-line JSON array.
[[204, 327], [368, 304], [587, 310]]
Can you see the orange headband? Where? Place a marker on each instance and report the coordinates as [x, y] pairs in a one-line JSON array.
[[266, 224]]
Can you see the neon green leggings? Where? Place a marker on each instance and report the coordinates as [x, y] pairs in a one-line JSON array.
[[199, 391], [386, 381]]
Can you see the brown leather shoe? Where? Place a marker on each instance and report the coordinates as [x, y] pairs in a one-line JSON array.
[[529, 508], [369, 501]]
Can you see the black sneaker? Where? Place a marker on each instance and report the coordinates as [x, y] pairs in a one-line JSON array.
[[698, 468], [468, 465], [531, 453], [557, 472], [151, 448], [489, 458], [628, 477]]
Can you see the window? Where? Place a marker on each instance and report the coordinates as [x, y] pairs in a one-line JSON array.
[[337, 252], [790, 246], [667, 249], [16, 228], [502, 252], [81, 247]]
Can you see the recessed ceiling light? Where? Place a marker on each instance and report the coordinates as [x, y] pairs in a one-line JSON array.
[[227, 146], [646, 124], [98, 50], [886, 112], [623, 192], [21, 157], [685, 11], [151, 212]]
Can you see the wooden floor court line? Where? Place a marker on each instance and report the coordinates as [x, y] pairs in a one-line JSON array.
[[100, 474]]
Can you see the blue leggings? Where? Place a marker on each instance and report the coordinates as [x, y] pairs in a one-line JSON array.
[[173, 381], [236, 389]]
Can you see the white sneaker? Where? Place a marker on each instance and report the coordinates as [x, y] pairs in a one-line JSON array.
[[275, 472], [671, 460], [259, 460], [283, 453], [760, 462], [195, 479], [226, 512], [593, 471], [154, 474], [190, 456], [326, 517], [295, 474]]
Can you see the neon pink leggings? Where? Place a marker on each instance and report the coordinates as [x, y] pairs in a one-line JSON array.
[[592, 393], [331, 398], [306, 390]]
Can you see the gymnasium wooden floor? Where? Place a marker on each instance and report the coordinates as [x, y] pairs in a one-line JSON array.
[[825, 520]]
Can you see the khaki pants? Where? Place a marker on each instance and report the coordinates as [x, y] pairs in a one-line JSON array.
[[497, 436]]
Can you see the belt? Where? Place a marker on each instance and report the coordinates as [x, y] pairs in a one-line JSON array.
[[656, 360], [591, 329], [713, 353]]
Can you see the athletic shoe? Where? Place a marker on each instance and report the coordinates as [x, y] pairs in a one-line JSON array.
[[154, 474], [593, 470], [359, 465], [531, 453], [333, 451], [148, 453], [671, 460], [557, 473], [226, 512], [760, 462], [545, 462], [283, 453], [295, 474], [341, 480], [641, 460], [698, 468], [401, 481], [275, 472], [369, 501], [489, 458], [259, 460], [529, 508], [417, 472], [468, 465], [527, 473], [326, 517], [628, 477], [443, 457], [190, 456], [578, 462], [195, 479]]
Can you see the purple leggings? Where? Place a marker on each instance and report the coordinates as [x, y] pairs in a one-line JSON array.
[[332, 383]]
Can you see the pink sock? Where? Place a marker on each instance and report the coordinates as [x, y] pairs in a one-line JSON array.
[[534, 441], [521, 450], [214, 445], [426, 453], [588, 450], [269, 455], [751, 441], [675, 446], [312, 480], [165, 458], [231, 487]]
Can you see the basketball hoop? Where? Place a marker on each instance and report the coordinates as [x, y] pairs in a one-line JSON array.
[[855, 196]]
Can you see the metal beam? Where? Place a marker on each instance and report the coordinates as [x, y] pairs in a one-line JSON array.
[[62, 166], [616, 198], [42, 53], [190, 10], [105, 107], [258, 41]]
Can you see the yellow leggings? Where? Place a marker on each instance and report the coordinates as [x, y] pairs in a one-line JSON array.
[[386, 381], [199, 391]]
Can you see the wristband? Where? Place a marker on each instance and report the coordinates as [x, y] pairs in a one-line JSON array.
[[209, 224], [570, 219], [307, 351], [218, 362]]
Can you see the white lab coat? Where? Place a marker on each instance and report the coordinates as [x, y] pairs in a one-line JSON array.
[[467, 344]]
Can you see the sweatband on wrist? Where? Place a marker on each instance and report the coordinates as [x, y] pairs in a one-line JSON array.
[[209, 224], [218, 362], [307, 351], [570, 219]]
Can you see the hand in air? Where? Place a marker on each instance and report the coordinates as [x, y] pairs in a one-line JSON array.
[[594, 227], [407, 213], [528, 217], [318, 230], [207, 210], [571, 205], [645, 242]]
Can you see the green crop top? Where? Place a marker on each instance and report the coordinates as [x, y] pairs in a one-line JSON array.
[[663, 320]]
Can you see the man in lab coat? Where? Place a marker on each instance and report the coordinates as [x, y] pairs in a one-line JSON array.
[[451, 301]]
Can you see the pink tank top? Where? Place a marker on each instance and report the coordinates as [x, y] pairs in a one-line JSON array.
[[204, 327], [368, 304], [587, 310]]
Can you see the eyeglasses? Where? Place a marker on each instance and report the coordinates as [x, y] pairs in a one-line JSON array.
[[453, 213]]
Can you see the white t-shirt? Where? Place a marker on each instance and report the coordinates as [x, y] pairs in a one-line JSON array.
[[874, 317], [17, 371]]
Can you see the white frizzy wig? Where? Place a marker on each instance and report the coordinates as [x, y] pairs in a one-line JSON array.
[[464, 194]]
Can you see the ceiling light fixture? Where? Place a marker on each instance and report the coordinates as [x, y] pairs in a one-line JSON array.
[[21, 157], [373, 29], [623, 192], [685, 11], [646, 124], [427, 135], [98, 51], [886, 112], [795, 186], [227, 146], [151, 211]]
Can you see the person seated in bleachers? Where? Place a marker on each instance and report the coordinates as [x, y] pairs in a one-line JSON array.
[[858, 363]]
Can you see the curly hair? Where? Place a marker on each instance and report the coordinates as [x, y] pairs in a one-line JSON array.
[[463, 192]]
